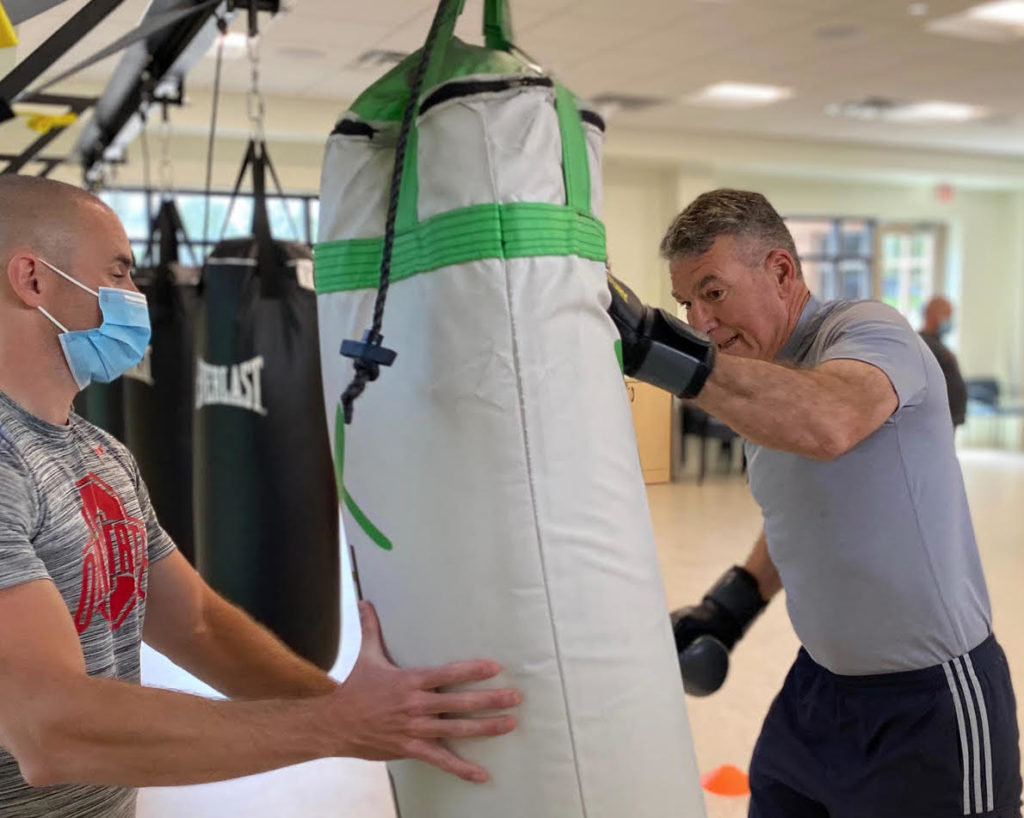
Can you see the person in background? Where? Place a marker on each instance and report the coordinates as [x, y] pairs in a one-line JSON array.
[[938, 320]]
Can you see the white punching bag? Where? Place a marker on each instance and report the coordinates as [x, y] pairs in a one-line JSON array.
[[492, 488]]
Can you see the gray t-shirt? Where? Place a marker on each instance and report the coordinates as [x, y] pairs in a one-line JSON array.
[[74, 511], [875, 549]]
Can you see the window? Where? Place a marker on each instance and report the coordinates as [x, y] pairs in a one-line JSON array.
[[292, 218], [288, 219], [314, 218], [909, 271], [130, 207], [836, 255]]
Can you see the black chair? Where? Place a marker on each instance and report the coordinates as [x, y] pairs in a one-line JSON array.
[[985, 393], [984, 397], [699, 423]]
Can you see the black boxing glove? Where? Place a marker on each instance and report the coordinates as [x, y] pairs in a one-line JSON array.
[[658, 348], [706, 633]]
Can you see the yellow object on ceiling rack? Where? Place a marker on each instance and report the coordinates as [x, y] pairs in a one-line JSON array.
[[44, 123], [8, 36]]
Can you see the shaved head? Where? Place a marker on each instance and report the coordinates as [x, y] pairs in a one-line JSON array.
[[940, 305], [42, 216], [46, 226], [937, 312]]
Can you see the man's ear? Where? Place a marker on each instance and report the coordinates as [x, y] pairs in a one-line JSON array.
[[782, 267], [23, 277]]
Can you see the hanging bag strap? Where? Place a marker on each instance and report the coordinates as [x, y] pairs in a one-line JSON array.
[[168, 226], [497, 29], [369, 353], [270, 260], [180, 236], [497, 25], [280, 192], [247, 160]]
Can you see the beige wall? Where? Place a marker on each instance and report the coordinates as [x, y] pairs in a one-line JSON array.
[[639, 202]]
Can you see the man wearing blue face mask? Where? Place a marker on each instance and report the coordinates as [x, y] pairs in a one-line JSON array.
[[105, 352], [938, 321], [87, 573]]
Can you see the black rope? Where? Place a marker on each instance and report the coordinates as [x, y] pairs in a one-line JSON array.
[[247, 161], [223, 27], [146, 175], [369, 354], [280, 192]]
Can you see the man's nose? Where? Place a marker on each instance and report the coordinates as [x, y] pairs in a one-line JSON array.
[[701, 318]]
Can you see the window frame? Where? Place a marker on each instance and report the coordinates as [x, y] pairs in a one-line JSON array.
[[836, 258], [940, 232], [304, 223]]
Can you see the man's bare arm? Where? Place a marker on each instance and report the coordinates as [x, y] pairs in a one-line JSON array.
[[64, 726], [819, 413], [219, 643], [760, 565]]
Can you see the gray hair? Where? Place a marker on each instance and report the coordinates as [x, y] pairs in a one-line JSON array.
[[725, 212]]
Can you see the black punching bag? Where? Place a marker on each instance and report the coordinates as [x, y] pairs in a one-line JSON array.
[[265, 502], [102, 404], [158, 396]]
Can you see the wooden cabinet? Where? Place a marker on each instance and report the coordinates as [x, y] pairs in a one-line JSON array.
[[652, 419]]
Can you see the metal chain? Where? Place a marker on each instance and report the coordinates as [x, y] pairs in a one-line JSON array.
[[166, 171], [256, 106]]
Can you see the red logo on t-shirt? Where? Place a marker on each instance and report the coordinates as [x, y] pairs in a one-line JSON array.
[[115, 558]]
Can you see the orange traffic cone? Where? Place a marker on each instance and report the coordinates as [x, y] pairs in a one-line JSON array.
[[726, 780]]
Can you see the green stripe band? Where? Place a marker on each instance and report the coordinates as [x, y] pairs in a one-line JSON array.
[[575, 164], [369, 529], [513, 230]]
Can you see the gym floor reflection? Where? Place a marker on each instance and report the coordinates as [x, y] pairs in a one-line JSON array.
[[700, 531]]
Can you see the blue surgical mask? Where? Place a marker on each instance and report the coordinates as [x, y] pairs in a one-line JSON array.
[[945, 328], [108, 351]]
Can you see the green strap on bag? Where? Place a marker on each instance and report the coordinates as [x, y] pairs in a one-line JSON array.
[[575, 232]]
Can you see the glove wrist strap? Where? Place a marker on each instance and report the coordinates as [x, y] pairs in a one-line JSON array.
[[737, 593]]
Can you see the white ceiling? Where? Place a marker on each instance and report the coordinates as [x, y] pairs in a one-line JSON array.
[[827, 51]]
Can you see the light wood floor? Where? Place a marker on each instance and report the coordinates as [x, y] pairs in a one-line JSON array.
[[700, 532]]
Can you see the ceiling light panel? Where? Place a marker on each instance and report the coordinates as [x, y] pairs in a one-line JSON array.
[[1001, 12], [235, 43], [996, 22], [885, 109], [739, 95], [936, 111]]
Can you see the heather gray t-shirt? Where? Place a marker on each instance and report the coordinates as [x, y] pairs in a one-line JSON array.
[[74, 511], [876, 548]]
